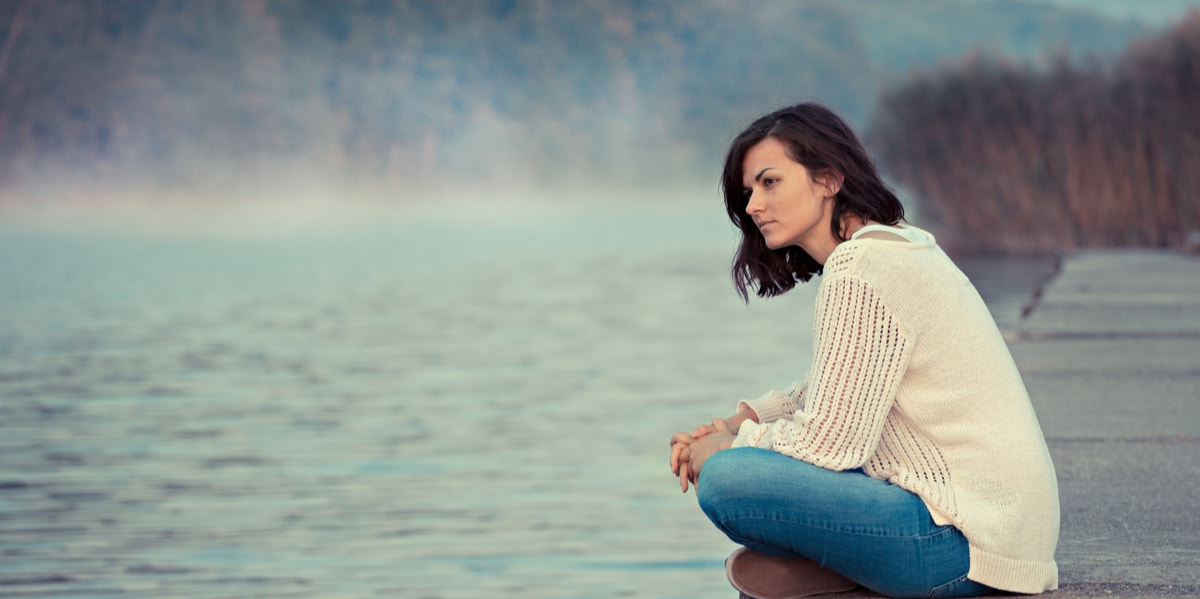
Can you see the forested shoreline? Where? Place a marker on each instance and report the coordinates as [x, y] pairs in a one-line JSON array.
[[105, 97], [1049, 139], [1016, 159]]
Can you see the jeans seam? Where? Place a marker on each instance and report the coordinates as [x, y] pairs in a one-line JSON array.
[[937, 590], [942, 530]]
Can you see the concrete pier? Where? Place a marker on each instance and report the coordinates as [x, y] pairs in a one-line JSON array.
[[1110, 353]]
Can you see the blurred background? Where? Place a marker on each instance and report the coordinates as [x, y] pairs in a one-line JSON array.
[[404, 298], [331, 107]]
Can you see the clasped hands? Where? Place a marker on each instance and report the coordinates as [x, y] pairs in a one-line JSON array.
[[689, 451]]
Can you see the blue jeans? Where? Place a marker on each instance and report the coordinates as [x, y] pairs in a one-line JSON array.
[[866, 529]]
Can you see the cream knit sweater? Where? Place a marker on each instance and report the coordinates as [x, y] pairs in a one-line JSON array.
[[912, 381]]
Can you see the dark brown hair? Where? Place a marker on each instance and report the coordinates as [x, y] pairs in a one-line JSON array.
[[821, 141]]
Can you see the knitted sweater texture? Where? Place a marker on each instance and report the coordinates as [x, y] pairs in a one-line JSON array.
[[912, 381]]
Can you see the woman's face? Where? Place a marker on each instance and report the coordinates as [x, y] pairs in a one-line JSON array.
[[787, 205]]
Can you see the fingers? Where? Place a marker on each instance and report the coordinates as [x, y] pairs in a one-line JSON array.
[[684, 470], [675, 453], [681, 440], [693, 470], [681, 450], [678, 442], [699, 431]]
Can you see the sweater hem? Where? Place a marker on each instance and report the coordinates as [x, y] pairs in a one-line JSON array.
[[1013, 575]]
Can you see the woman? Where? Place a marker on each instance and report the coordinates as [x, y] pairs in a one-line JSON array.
[[910, 460]]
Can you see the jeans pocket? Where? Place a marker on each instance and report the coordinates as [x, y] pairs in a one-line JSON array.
[[961, 587]]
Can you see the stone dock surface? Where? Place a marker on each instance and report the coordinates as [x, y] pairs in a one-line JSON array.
[[1111, 356]]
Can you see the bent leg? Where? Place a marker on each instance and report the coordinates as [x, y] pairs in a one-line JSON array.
[[868, 530]]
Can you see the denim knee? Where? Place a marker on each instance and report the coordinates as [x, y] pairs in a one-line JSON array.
[[722, 480]]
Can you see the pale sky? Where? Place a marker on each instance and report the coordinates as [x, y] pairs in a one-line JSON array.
[[1153, 12]]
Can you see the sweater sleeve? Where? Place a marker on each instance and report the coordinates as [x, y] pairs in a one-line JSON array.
[[861, 353], [776, 405]]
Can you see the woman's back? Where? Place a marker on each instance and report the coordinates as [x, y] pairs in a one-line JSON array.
[[961, 432]]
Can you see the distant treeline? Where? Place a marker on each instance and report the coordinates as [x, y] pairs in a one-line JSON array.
[[401, 93], [214, 95], [1015, 159]]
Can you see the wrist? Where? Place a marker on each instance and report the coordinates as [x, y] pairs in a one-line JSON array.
[[735, 421]]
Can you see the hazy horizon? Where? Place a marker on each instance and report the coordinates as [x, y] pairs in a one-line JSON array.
[[638, 108]]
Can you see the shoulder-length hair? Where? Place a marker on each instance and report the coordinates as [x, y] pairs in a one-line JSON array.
[[821, 141]]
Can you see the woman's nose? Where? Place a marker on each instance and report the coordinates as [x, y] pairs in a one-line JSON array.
[[753, 204]]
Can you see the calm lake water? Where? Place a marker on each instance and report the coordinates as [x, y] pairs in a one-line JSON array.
[[468, 405]]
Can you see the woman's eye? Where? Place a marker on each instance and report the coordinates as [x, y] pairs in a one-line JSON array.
[[768, 182], [746, 193]]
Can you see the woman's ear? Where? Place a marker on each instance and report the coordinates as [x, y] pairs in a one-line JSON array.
[[831, 180]]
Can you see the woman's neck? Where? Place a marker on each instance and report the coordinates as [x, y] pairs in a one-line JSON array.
[[851, 223]]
